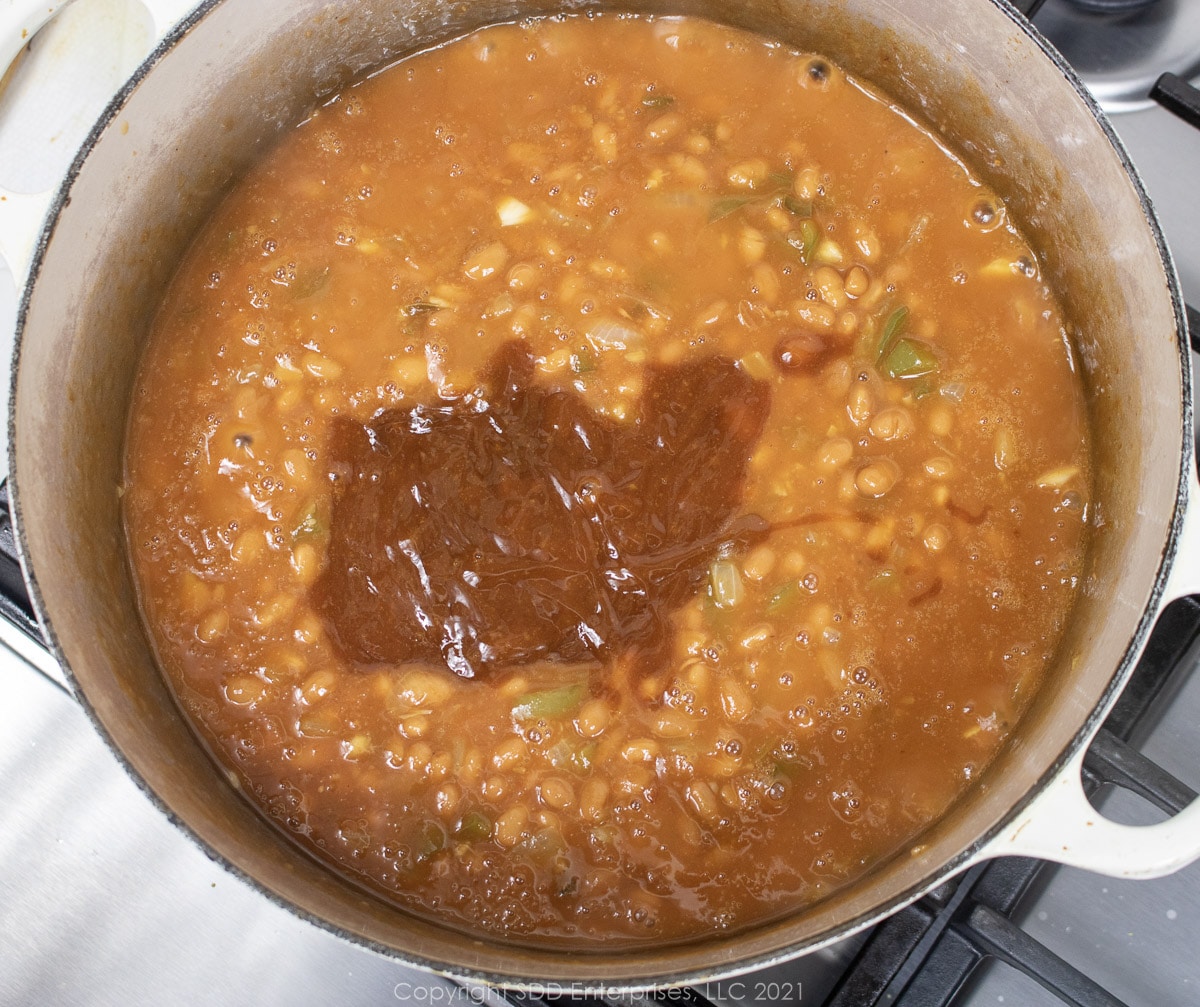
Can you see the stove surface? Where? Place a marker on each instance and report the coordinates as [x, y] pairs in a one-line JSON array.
[[103, 902]]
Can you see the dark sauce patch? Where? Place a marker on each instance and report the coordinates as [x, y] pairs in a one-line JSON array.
[[518, 525]]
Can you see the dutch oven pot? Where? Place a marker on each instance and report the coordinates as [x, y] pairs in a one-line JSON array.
[[213, 95]]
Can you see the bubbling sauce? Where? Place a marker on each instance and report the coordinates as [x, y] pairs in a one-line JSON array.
[[674, 386]]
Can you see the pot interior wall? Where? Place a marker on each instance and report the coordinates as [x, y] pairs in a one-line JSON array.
[[245, 70]]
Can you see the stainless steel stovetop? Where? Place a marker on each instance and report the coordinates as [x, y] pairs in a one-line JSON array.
[[103, 902]]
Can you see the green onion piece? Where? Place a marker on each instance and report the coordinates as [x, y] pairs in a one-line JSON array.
[[804, 240], [582, 759], [781, 596], [474, 826], [892, 328], [310, 523], [657, 101], [582, 361], [726, 583], [549, 702], [419, 308], [909, 358], [726, 205], [431, 841], [797, 207], [542, 845]]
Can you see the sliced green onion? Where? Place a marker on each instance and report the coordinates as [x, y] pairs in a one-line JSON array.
[[909, 358], [431, 841], [549, 702], [805, 239], [726, 205], [797, 207], [474, 826], [657, 100], [892, 328], [419, 308], [726, 583], [780, 596]]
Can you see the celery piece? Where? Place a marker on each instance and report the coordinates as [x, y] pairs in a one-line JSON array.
[[583, 361], [726, 583], [549, 702], [582, 759], [309, 524], [909, 358]]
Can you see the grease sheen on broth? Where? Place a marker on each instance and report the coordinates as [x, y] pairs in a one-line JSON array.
[[617, 211]]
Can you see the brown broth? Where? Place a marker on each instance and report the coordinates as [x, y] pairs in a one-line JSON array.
[[881, 460]]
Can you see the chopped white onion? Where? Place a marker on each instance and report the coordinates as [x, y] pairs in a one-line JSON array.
[[607, 334]]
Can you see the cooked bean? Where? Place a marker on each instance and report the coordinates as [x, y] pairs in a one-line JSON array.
[[665, 126], [510, 826], [592, 800], [835, 453], [748, 174], [829, 282], [860, 404], [486, 261], [936, 538], [806, 182], [213, 625], [593, 718], [892, 424], [759, 563], [805, 352], [858, 281], [876, 478], [556, 792]]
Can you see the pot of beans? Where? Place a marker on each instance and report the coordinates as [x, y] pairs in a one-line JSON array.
[[616, 494]]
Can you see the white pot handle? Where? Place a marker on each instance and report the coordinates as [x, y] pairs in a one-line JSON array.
[[23, 215], [1060, 824]]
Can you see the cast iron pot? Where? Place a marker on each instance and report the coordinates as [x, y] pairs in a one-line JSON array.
[[219, 88]]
